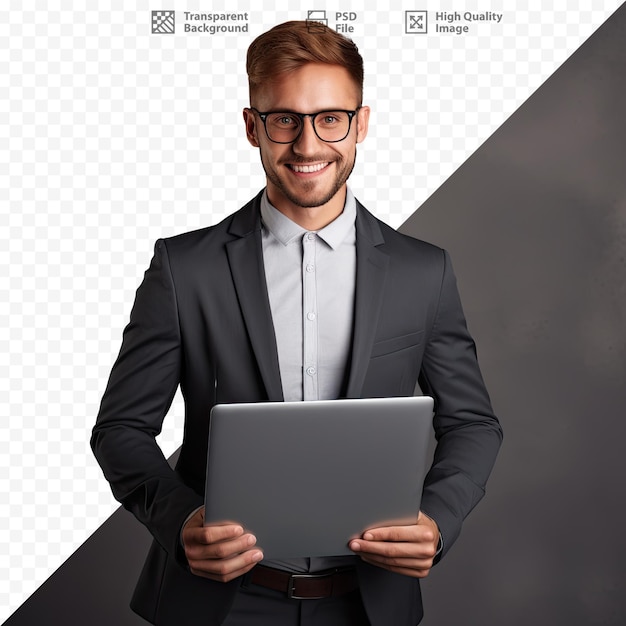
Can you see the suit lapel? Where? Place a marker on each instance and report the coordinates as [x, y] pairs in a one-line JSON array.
[[371, 270], [245, 257]]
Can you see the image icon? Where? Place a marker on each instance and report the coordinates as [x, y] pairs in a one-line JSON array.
[[416, 22]]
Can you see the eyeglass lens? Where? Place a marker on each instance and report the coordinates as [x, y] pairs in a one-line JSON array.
[[329, 126]]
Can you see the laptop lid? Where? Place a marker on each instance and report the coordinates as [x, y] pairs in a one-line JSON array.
[[306, 477]]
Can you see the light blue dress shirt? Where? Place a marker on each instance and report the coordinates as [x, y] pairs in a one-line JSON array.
[[311, 280]]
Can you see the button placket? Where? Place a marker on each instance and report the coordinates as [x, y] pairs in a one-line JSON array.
[[309, 315]]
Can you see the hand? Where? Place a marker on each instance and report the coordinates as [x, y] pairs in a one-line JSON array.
[[220, 552], [407, 550]]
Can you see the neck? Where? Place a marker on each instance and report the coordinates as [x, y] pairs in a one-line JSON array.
[[309, 218]]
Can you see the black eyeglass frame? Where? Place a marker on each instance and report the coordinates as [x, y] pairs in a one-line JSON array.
[[263, 115]]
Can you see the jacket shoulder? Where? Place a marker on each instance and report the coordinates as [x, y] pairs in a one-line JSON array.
[[393, 241], [211, 239]]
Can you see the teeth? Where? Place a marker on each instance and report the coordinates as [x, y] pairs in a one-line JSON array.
[[309, 168]]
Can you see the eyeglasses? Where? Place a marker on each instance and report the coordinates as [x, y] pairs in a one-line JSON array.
[[287, 126]]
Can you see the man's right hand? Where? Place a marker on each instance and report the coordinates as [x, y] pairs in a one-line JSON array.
[[220, 552]]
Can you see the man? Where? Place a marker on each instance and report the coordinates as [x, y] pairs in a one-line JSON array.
[[301, 294]]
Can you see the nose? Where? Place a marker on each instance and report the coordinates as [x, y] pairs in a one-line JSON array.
[[308, 142]]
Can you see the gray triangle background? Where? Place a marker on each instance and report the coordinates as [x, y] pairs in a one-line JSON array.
[[535, 221]]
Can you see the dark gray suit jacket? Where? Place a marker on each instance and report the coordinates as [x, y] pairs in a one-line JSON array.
[[202, 320]]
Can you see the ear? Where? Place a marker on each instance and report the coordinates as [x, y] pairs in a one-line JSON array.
[[251, 127], [362, 123]]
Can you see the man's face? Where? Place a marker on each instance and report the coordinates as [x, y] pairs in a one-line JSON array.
[[309, 172]]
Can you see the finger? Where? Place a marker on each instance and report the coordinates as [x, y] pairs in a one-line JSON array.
[[212, 534], [228, 577], [224, 570], [224, 578], [393, 549], [220, 550], [420, 572], [402, 562], [414, 532]]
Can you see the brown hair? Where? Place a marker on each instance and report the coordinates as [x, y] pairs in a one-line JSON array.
[[289, 46]]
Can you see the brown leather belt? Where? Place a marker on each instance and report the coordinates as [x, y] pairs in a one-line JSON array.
[[334, 582]]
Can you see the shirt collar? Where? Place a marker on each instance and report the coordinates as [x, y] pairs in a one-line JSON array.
[[287, 231]]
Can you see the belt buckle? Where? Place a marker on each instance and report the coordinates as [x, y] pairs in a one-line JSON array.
[[294, 577]]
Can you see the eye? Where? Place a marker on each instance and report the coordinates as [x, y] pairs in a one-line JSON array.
[[283, 120], [331, 119]]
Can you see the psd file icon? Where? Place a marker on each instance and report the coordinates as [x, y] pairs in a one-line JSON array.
[[314, 19]]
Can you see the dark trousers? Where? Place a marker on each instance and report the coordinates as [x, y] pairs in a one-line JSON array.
[[258, 606]]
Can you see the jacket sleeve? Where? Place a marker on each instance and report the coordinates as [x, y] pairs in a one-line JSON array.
[[467, 431], [139, 393]]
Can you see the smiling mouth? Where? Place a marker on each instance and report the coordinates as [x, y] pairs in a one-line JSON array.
[[308, 169]]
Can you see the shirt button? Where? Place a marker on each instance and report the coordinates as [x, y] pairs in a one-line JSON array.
[[310, 268], [310, 316], [310, 236], [310, 371]]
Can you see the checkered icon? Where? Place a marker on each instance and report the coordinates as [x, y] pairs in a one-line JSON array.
[[163, 22]]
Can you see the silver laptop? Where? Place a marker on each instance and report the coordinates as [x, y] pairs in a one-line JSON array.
[[306, 477]]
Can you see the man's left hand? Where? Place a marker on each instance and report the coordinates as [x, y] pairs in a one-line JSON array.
[[407, 550]]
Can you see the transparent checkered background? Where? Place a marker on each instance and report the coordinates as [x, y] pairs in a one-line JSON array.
[[112, 137]]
